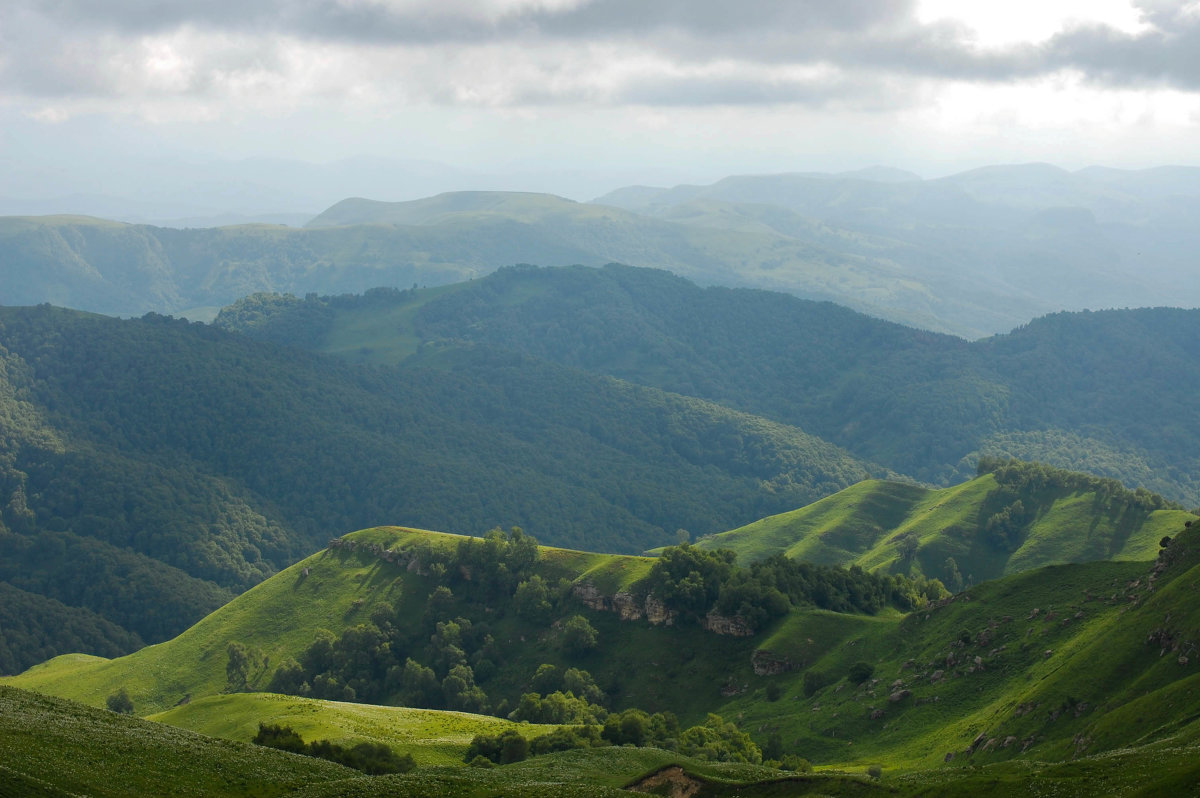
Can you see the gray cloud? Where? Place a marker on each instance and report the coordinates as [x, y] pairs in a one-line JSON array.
[[83, 48], [1168, 54]]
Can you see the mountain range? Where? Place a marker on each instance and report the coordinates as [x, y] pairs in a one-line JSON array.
[[971, 254]]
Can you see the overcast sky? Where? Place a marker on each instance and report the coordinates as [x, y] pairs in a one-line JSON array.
[[688, 89]]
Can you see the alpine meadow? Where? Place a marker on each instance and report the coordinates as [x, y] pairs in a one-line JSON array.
[[590, 398]]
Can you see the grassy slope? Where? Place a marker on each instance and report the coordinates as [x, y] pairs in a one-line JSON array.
[[280, 615], [53, 747], [432, 737], [379, 336], [1075, 678], [860, 525]]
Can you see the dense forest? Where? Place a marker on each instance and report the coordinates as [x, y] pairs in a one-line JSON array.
[[1105, 392], [153, 467]]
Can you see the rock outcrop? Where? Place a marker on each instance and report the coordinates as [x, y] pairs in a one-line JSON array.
[[734, 626]]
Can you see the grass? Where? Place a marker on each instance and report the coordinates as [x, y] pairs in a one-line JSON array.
[[1050, 676], [380, 336], [280, 615], [861, 525], [54, 747], [432, 737]]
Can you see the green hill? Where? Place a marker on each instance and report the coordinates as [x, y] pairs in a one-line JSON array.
[[433, 737], [1074, 677], [55, 748], [1018, 518]]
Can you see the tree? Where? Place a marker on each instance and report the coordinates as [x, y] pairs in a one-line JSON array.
[[532, 599], [243, 663], [954, 578], [579, 636], [120, 702]]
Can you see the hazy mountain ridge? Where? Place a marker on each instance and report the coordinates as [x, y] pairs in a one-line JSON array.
[[971, 254]]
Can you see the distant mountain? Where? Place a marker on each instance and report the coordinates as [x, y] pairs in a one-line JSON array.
[[970, 254], [1017, 241], [1106, 392], [132, 269]]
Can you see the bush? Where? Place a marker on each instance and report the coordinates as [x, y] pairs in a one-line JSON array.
[[375, 759], [795, 764], [579, 636], [120, 702], [504, 748], [814, 681], [859, 672]]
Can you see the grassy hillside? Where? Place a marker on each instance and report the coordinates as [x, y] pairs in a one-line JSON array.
[[150, 469], [433, 737], [901, 527], [60, 748], [1068, 678], [55, 748]]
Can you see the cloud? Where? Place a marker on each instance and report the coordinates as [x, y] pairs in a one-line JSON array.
[[868, 54], [1166, 54]]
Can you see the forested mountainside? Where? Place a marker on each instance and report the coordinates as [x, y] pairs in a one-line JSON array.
[[1108, 392], [152, 468]]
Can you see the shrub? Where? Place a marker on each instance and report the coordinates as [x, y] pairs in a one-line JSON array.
[[859, 672], [579, 635], [120, 702], [814, 681]]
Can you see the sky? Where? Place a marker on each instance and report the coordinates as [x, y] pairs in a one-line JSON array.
[[576, 96]]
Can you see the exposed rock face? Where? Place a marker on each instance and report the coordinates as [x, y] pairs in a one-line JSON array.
[[624, 604], [767, 663], [734, 626], [899, 696], [590, 595], [657, 612], [672, 781]]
